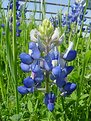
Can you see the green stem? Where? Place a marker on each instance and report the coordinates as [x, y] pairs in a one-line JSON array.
[[47, 82], [43, 7], [15, 54], [47, 75], [68, 6], [62, 99]]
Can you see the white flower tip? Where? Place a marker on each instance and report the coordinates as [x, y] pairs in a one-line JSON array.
[[54, 62], [55, 35], [54, 81], [34, 35], [68, 49], [30, 52], [61, 38]]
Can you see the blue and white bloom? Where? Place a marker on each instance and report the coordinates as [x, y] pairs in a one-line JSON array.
[[47, 64]]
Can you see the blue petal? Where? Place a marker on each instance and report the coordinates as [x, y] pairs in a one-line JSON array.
[[26, 58], [60, 82], [47, 63], [25, 67], [31, 90], [71, 55], [35, 68], [17, 34], [18, 23], [28, 82], [57, 71], [39, 76], [67, 70], [35, 54], [22, 90], [54, 55], [70, 87], [32, 45], [46, 99], [50, 106], [51, 97], [18, 31]]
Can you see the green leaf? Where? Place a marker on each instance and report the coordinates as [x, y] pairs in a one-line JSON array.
[[87, 56], [16, 117], [36, 105], [30, 106], [84, 96], [81, 102]]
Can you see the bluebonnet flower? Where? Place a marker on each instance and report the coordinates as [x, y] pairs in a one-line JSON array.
[[49, 101], [28, 86], [54, 21], [70, 54], [68, 89], [18, 15], [44, 58], [75, 16], [26, 58]]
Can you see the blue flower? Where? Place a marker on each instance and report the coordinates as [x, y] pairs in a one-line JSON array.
[[43, 60], [47, 63], [26, 58], [28, 82], [28, 86], [54, 54], [18, 15], [70, 56], [22, 90], [34, 51], [50, 106], [25, 67], [57, 71], [18, 23], [30, 90], [60, 82], [49, 101], [68, 89], [54, 21], [35, 67], [67, 70], [38, 74]]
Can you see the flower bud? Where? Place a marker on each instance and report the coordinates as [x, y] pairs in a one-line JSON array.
[[46, 29]]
